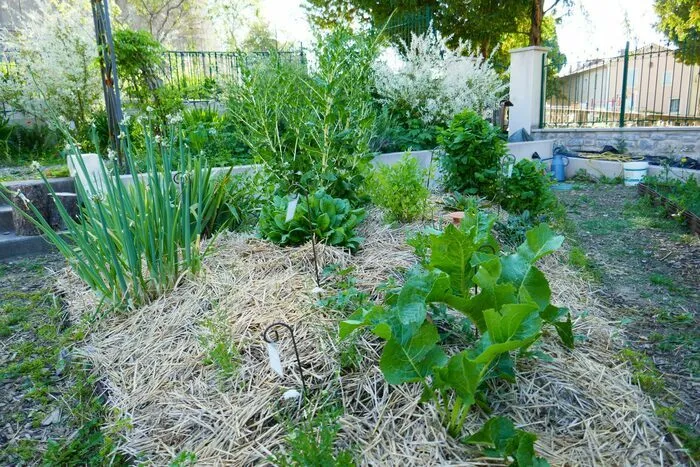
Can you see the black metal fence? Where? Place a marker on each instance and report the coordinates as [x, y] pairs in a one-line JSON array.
[[649, 86], [201, 75]]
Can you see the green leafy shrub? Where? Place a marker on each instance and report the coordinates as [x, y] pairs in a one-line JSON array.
[[20, 144], [685, 193], [528, 189], [135, 238], [330, 220], [472, 152], [212, 134], [509, 308], [310, 128], [400, 189]]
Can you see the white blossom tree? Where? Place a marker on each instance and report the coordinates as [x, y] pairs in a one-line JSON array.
[[436, 82], [56, 70]]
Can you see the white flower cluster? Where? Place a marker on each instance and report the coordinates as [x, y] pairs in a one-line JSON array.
[[54, 52], [437, 83], [175, 119]]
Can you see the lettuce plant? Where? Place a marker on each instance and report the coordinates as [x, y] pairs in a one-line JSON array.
[[330, 220], [509, 309]]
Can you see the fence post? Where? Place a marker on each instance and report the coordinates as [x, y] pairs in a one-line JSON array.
[[625, 68], [543, 98]]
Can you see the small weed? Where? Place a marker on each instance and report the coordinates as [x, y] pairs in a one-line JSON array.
[[347, 297], [349, 356], [644, 371], [666, 282], [220, 349], [579, 259], [184, 459], [312, 443]]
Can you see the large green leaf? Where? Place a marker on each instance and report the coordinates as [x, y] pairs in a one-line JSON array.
[[500, 434], [451, 252], [539, 241], [461, 374], [414, 360]]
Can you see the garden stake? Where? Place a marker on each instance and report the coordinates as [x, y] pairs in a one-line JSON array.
[[313, 234], [267, 339]]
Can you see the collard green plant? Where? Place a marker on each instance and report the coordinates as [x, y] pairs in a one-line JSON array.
[[509, 308], [472, 151], [400, 189], [310, 128], [528, 189], [503, 440], [136, 236], [330, 220]]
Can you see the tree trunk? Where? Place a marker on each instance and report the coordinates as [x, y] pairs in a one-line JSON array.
[[536, 15]]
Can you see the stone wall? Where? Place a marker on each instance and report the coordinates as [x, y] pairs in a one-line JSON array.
[[656, 141]]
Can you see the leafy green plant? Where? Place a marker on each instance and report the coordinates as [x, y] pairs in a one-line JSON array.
[[511, 233], [327, 219], [504, 440], [310, 128], [472, 151], [211, 134], [221, 351], [528, 189], [685, 193], [311, 444], [508, 309], [400, 189], [136, 236]]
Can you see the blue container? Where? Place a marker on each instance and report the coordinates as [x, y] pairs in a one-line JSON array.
[[559, 164]]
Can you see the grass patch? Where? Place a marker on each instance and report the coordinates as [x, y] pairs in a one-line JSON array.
[[642, 214], [666, 282], [32, 325], [580, 260], [644, 371], [605, 226]]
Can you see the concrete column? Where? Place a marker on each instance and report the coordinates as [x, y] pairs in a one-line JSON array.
[[526, 87]]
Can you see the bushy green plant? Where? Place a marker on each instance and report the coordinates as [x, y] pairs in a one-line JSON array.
[[472, 151], [20, 144], [528, 189], [139, 58], [509, 307], [135, 237], [310, 127], [330, 220], [685, 193], [212, 134], [400, 189]]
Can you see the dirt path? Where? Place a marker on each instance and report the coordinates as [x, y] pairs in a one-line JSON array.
[[50, 413], [648, 268]]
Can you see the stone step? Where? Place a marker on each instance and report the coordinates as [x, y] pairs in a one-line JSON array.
[[12, 246], [6, 219]]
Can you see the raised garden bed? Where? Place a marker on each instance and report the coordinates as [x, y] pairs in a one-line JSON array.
[[671, 207]]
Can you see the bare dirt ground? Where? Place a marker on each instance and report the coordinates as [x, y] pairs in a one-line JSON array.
[[648, 270]]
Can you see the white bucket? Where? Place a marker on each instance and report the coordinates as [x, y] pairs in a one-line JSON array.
[[635, 172]]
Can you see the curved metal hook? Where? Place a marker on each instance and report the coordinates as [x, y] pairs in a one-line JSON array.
[[266, 338]]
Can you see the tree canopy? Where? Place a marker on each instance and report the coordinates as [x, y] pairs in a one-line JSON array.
[[680, 22]]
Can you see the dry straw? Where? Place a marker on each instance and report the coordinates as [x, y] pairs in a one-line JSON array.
[[582, 405]]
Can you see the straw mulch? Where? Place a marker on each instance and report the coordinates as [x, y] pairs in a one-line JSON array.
[[582, 405]]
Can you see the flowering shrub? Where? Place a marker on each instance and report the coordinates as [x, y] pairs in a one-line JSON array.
[[55, 67], [434, 83]]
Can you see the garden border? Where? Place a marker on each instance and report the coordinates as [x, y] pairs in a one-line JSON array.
[[657, 198]]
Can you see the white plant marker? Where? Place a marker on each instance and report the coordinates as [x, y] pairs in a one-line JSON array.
[[291, 208], [275, 362], [291, 394]]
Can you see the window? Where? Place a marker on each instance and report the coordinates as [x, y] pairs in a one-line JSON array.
[[668, 78], [675, 106]]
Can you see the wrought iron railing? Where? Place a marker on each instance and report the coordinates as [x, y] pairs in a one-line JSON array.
[[649, 86]]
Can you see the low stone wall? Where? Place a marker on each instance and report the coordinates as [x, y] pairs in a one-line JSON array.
[[642, 141]]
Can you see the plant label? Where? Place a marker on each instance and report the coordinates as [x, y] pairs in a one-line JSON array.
[[291, 208], [274, 355]]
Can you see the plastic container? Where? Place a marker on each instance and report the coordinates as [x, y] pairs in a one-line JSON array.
[[635, 172]]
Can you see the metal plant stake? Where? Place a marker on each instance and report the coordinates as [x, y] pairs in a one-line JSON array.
[[271, 329]]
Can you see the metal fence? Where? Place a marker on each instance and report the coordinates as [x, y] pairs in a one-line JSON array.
[[201, 75], [649, 86]]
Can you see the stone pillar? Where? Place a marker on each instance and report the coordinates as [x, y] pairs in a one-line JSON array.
[[526, 87]]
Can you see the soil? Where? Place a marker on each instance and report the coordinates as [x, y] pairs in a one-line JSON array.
[[648, 268]]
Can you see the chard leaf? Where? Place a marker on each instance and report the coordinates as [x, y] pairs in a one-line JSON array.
[[500, 434], [565, 331], [461, 374], [413, 361], [451, 252], [539, 241]]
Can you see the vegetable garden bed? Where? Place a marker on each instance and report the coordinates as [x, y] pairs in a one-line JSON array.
[[671, 207], [169, 398]]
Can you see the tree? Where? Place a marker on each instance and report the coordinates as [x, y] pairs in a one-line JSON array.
[[482, 23], [163, 18], [260, 37], [680, 22]]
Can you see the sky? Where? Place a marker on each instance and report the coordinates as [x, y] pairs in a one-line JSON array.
[[593, 29]]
